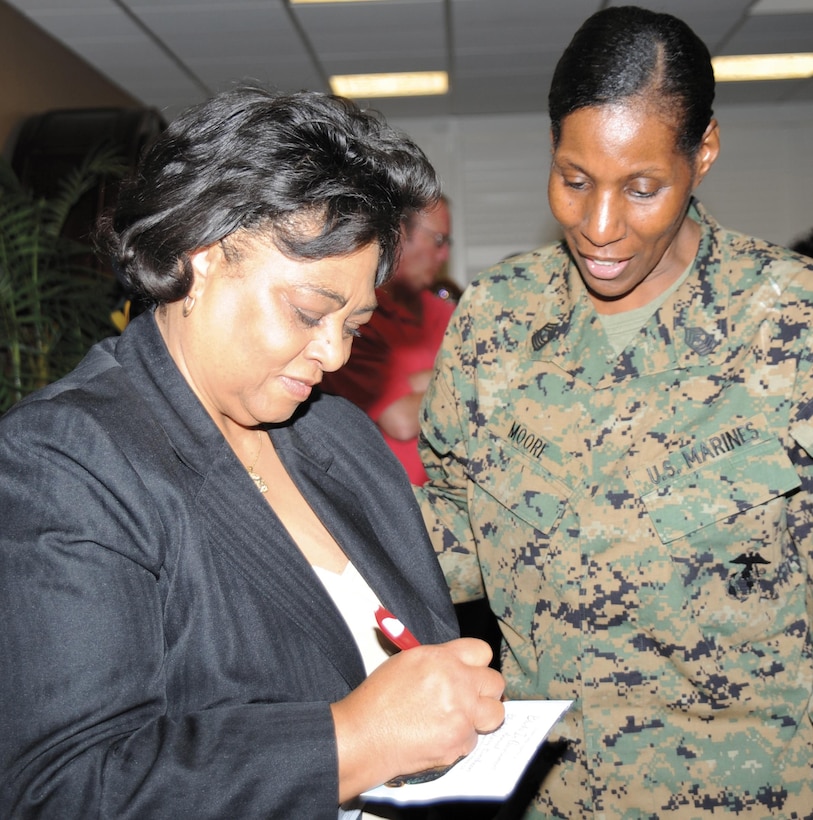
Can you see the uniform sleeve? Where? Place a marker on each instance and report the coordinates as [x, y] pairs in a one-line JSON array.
[[443, 445], [800, 504], [84, 724]]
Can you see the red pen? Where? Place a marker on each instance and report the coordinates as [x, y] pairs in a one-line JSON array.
[[395, 630]]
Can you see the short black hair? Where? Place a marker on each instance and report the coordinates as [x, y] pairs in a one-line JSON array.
[[271, 164], [626, 51]]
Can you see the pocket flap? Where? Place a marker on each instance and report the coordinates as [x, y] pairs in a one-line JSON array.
[[720, 489], [520, 484]]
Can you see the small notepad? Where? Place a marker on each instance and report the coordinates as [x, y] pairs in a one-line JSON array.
[[492, 770]]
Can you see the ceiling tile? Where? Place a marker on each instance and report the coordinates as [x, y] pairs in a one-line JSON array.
[[500, 53]]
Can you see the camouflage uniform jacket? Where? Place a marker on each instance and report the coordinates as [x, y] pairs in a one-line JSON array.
[[641, 524]]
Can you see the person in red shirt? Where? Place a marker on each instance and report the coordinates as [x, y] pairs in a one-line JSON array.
[[392, 359]]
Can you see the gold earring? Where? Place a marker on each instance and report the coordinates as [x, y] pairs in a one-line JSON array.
[[188, 305]]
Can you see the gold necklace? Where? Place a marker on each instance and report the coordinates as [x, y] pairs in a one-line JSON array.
[[258, 479]]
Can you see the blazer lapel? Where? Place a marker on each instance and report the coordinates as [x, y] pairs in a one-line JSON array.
[[402, 589], [246, 531]]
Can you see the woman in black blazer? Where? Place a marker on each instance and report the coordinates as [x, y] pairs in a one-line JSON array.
[[194, 540]]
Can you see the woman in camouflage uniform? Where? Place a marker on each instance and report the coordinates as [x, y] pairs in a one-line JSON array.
[[619, 438]]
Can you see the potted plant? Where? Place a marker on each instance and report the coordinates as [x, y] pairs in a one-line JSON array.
[[55, 299]]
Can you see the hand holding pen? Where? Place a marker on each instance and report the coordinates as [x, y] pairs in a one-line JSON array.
[[420, 710], [401, 637]]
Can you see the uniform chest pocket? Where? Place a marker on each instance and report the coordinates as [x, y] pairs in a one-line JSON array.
[[720, 488], [520, 481], [724, 522]]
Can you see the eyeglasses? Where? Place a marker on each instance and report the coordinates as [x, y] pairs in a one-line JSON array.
[[440, 239]]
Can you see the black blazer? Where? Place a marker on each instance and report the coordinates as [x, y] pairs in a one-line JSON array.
[[166, 650]]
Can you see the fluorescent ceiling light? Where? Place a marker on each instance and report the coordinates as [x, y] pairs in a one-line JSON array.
[[763, 67], [406, 84], [779, 7], [305, 2]]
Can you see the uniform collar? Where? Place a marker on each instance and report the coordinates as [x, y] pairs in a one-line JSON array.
[[690, 328]]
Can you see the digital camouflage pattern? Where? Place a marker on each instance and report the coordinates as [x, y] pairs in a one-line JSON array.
[[641, 524]]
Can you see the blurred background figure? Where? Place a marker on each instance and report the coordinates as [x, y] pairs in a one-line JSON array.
[[394, 354]]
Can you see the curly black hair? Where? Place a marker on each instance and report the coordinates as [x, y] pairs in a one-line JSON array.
[[310, 171]]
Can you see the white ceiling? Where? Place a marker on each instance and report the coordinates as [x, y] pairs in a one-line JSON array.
[[499, 53]]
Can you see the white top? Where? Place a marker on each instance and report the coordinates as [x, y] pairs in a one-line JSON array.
[[357, 604]]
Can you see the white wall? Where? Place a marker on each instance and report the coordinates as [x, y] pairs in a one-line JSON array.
[[495, 171]]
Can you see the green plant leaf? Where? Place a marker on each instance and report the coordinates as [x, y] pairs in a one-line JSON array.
[[54, 302]]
